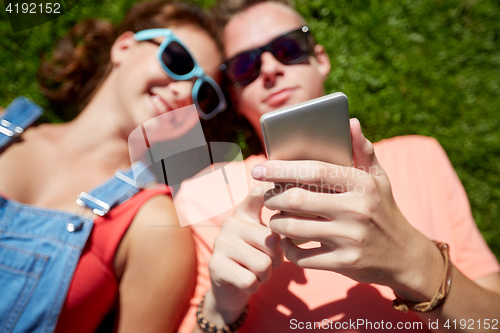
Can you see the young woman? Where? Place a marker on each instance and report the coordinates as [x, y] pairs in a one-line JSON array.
[[65, 265]]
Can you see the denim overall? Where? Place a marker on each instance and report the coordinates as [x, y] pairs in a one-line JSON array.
[[40, 248]]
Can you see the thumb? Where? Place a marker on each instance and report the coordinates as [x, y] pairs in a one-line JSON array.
[[250, 208], [362, 150]]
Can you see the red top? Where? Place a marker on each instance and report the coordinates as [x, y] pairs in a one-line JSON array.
[[94, 287]]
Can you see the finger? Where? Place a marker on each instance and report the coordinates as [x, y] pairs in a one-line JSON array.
[[296, 227], [314, 258], [258, 262], [324, 231], [224, 270], [326, 205], [315, 173], [236, 235], [363, 151], [250, 209]]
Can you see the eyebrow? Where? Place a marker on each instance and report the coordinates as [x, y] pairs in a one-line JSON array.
[[153, 41]]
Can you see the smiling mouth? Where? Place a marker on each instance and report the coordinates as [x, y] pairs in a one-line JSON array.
[[159, 104]]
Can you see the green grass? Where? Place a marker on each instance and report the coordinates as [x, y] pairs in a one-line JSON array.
[[408, 67]]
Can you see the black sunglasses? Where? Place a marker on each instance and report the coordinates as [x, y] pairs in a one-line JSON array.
[[290, 48]]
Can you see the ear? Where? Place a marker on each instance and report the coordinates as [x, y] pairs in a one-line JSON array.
[[122, 46], [323, 61]]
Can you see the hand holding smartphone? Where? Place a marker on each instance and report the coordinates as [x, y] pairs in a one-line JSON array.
[[314, 130]]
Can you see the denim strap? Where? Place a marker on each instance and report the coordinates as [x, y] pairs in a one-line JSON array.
[[115, 190], [20, 114]]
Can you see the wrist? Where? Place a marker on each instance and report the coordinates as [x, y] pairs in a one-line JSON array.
[[439, 296], [423, 274], [214, 314]]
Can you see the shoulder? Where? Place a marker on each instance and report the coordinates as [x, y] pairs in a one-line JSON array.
[[410, 150], [155, 230], [156, 218], [158, 208], [417, 159], [405, 142]]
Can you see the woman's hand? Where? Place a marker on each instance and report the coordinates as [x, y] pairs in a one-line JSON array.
[[245, 253], [362, 232]]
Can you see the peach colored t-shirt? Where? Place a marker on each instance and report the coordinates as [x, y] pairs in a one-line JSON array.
[[431, 197]]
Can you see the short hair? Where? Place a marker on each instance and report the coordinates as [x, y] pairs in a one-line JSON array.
[[225, 10]]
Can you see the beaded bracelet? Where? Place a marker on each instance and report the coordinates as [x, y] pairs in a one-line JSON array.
[[207, 326], [438, 299]]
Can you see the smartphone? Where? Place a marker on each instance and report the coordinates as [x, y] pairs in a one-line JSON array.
[[314, 130]]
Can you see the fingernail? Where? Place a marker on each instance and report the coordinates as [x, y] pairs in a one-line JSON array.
[[258, 172], [354, 123], [360, 127]]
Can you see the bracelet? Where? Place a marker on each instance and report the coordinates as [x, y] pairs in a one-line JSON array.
[[206, 326], [438, 299]]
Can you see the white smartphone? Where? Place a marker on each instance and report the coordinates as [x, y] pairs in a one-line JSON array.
[[314, 130]]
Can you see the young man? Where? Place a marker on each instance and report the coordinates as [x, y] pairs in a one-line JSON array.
[[366, 247]]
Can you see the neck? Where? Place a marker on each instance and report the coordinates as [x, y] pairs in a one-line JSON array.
[[100, 132]]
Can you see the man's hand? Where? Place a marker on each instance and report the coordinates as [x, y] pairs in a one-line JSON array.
[[362, 232]]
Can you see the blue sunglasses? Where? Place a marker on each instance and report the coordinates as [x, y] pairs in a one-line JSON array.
[[180, 65]]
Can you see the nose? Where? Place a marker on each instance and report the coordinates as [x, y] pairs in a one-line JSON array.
[[270, 68], [182, 92]]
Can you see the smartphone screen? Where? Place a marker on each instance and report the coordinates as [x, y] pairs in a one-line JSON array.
[[314, 130]]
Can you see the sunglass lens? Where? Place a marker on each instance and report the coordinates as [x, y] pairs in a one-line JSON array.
[[244, 68], [291, 47], [208, 99], [177, 59]]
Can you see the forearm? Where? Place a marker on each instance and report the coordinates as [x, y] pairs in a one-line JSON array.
[[466, 305], [466, 301]]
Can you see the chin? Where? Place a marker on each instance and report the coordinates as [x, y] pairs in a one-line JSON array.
[[304, 97], [289, 102]]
